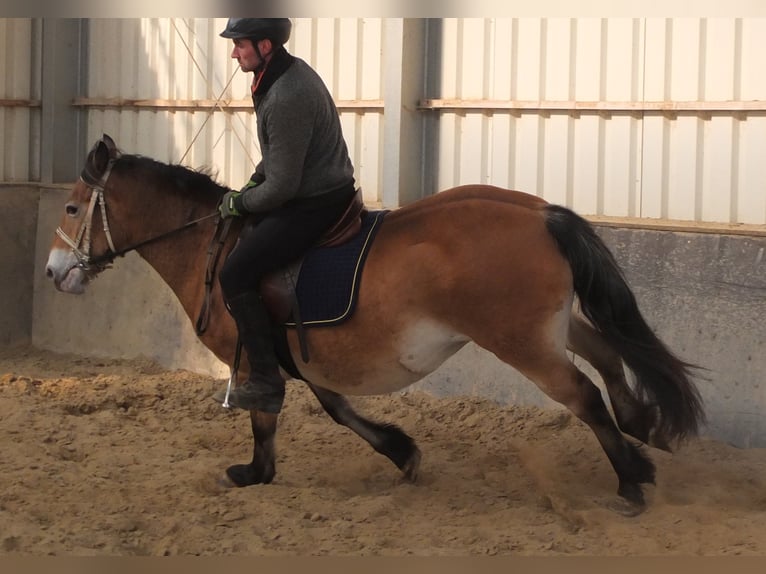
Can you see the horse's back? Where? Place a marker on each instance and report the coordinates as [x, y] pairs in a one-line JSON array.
[[483, 224], [471, 238], [477, 192]]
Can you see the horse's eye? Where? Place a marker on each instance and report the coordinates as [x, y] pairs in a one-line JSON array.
[[72, 209]]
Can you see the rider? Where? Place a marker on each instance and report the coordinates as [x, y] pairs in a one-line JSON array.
[[300, 188]]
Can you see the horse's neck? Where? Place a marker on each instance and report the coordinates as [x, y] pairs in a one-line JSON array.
[[180, 260]]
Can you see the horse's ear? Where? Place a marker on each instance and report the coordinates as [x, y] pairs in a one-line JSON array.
[[98, 160], [111, 146]]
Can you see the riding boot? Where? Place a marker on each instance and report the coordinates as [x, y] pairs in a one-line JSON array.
[[264, 389]]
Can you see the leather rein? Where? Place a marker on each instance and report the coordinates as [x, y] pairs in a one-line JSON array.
[[81, 244]]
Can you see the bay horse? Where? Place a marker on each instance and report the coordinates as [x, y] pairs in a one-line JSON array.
[[502, 268]]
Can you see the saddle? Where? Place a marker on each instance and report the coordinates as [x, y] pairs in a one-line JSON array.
[[278, 288]]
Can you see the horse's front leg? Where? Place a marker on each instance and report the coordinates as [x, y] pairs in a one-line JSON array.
[[262, 469], [387, 439]]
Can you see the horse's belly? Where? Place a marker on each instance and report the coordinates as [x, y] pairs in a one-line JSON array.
[[390, 365], [388, 379]]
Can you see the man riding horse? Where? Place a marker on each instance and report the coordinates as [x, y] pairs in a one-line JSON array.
[[300, 188]]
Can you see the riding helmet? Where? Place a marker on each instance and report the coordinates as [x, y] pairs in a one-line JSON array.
[[274, 29]]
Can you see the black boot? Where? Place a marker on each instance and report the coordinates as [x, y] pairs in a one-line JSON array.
[[265, 388]]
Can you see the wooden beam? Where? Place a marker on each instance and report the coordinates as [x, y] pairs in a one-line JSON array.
[[202, 105], [17, 103], [646, 223], [573, 106]]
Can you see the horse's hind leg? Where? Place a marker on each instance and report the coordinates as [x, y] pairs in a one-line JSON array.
[[566, 384], [633, 417], [387, 439]]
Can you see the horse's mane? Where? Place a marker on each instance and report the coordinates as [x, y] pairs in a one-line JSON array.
[[197, 184]]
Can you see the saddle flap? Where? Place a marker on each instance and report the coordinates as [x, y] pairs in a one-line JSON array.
[[278, 292]]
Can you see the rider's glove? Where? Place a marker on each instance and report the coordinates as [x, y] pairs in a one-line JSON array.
[[250, 184], [228, 207]]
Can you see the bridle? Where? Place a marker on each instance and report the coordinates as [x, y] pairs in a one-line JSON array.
[[92, 266], [81, 244]]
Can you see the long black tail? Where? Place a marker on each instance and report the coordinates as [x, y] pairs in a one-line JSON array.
[[662, 379]]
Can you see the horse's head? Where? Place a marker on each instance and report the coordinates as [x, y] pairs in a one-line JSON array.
[[180, 198], [77, 255]]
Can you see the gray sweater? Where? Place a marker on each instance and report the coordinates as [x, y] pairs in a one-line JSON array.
[[302, 147]]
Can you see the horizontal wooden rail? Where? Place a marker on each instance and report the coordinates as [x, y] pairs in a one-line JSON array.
[[202, 105], [476, 105], [17, 103], [646, 223], [576, 106]]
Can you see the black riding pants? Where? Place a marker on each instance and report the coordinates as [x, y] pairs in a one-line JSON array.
[[274, 240]]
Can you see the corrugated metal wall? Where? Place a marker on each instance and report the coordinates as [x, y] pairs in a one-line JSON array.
[[575, 110], [20, 107], [589, 126]]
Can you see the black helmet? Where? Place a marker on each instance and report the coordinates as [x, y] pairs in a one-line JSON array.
[[275, 29]]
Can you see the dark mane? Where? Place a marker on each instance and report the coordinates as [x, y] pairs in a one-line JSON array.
[[172, 178]]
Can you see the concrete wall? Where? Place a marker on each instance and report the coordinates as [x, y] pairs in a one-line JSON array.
[[18, 221], [705, 295]]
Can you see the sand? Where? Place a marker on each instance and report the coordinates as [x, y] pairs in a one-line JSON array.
[[124, 457]]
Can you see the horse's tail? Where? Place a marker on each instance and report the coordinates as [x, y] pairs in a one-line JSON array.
[[662, 379]]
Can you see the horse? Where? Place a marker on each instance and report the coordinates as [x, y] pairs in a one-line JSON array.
[[525, 279]]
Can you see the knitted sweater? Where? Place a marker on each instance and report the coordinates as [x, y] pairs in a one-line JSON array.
[[303, 151]]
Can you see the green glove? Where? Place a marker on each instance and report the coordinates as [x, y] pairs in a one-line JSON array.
[[227, 207], [250, 184]]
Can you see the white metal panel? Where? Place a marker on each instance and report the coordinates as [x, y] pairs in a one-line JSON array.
[[186, 59], [690, 166], [16, 84], [695, 166], [553, 155]]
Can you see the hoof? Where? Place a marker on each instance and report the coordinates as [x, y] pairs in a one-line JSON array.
[[225, 482], [411, 468], [625, 508], [632, 494], [247, 475]]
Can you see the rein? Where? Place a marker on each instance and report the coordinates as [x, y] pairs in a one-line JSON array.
[[112, 254]]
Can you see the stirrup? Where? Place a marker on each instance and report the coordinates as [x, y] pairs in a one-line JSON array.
[[233, 398], [222, 396], [254, 394]]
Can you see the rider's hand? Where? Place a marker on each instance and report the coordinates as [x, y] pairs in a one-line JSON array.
[[227, 207], [250, 184]]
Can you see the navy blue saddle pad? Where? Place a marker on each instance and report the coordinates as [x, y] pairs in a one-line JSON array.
[[329, 278]]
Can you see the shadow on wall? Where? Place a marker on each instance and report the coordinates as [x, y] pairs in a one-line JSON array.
[[18, 224]]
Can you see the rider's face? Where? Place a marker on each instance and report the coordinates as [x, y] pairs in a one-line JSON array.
[[246, 55]]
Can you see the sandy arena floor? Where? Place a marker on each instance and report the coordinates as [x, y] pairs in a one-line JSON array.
[[105, 457]]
